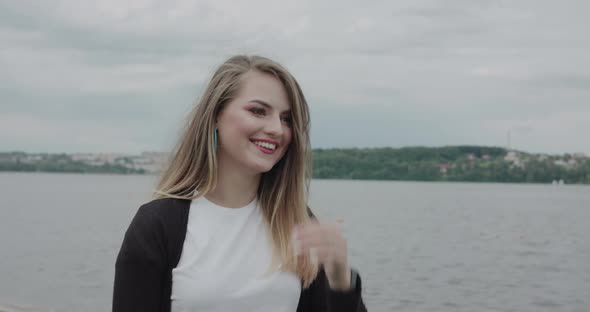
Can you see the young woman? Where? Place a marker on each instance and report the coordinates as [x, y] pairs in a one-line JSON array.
[[230, 229]]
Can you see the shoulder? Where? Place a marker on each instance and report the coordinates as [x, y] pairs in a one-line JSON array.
[[161, 214], [163, 207], [156, 219]]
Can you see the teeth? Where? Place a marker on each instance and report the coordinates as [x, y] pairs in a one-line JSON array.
[[269, 146]]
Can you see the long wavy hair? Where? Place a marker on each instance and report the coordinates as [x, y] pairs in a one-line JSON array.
[[283, 191]]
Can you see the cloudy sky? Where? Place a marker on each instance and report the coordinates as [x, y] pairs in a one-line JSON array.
[[119, 76]]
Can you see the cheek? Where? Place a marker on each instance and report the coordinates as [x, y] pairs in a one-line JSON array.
[[238, 125], [288, 138]]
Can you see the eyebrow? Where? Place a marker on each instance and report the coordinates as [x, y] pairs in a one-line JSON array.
[[263, 103]]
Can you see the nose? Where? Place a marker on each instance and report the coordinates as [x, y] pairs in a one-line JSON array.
[[274, 126]]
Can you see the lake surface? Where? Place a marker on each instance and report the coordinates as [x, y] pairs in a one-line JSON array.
[[418, 246]]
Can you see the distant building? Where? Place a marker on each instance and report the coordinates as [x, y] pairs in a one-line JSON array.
[[569, 164], [514, 158], [31, 159], [151, 162], [511, 156], [445, 167], [82, 157], [5, 157]]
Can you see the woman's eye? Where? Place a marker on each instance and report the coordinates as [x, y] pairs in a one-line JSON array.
[[287, 119], [257, 111]]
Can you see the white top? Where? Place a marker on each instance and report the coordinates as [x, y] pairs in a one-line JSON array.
[[225, 261]]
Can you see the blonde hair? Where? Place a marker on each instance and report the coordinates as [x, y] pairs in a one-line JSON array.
[[282, 192]]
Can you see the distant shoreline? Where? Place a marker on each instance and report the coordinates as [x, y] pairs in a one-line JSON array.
[[314, 179], [428, 164]]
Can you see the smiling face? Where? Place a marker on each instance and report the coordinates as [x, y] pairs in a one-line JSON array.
[[254, 128]]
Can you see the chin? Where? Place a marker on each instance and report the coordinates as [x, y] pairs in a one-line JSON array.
[[264, 169], [260, 167]]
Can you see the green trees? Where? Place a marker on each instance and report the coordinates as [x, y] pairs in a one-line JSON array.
[[449, 163], [21, 162]]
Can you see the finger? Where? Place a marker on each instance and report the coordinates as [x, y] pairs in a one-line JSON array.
[[307, 230], [331, 256], [336, 246], [306, 237], [307, 226], [315, 242], [321, 243], [319, 235], [313, 256]]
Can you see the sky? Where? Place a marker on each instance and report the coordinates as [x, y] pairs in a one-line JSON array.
[[121, 75]]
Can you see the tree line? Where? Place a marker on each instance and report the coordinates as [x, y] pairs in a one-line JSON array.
[[449, 163]]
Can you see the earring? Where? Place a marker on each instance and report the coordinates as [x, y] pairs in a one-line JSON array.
[[215, 139]]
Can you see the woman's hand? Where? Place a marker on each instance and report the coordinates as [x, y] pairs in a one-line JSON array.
[[325, 243]]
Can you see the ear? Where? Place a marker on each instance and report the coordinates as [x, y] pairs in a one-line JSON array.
[[216, 117]]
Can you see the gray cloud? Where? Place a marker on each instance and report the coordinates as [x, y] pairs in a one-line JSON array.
[[580, 82], [404, 73]]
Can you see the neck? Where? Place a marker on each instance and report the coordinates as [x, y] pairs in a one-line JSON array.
[[235, 188]]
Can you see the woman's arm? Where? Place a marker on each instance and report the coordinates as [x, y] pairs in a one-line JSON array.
[[349, 300], [319, 297], [140, 267]]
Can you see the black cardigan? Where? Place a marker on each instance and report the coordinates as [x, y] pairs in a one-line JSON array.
[[152, 247]]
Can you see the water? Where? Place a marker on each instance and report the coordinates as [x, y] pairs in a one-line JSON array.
[[418, 246]]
